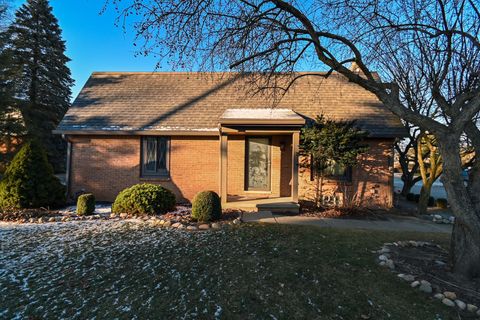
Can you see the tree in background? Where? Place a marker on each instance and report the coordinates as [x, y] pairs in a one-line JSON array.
[[430, 165], [409, 83], [329, 145], [407, 151], [43, 81], [11, 126]]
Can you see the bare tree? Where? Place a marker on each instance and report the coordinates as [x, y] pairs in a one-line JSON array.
[[430, 168], [408, 159], [279, 36], [413, 96]]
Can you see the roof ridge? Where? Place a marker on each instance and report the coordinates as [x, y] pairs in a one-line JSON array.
[[185, 72]]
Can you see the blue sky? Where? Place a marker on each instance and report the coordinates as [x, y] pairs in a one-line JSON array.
[[94, 43]]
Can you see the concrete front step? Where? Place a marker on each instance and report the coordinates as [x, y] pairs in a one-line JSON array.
[[282, 207]]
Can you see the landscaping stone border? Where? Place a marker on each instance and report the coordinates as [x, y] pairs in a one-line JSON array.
[[176, 222], [438, 218], [448, 298]]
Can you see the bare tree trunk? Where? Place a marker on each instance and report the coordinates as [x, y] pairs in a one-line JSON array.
[[317, 191], [409, 180], [408, 175], [465, 242], [424, 197], [407, 186]]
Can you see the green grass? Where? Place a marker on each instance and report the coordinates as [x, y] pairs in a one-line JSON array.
[[250, 272]]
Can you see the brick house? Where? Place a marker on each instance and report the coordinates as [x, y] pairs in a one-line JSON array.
[[201, 131]]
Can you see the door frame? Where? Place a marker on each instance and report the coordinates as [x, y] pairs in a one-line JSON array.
[[246, 167]]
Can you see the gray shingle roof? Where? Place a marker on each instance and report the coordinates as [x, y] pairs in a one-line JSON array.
[[189, 102]]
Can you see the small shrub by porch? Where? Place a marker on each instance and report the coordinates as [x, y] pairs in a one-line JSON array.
[[86, 204], [144, 199], [206, 206]]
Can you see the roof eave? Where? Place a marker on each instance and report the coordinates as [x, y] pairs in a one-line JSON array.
[[238, 121], [213, 132]]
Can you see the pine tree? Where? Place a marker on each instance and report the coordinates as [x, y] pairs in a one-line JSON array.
[[44, 79], [29, 181], [325, 142], [11, 127]]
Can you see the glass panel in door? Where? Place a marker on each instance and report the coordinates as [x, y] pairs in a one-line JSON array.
[[258, 164]]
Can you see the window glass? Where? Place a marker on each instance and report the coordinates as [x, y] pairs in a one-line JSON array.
[[334, 169], [150, 155], [155, 156], [162, 154]]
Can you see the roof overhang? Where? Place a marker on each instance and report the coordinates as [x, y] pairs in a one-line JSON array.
[[212, 132], [261, 117]]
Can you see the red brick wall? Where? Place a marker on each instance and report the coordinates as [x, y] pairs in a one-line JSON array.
[[372, 178], [107, 165]]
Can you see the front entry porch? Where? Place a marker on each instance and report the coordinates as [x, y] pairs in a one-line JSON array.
[[274, 205], [259, 160]]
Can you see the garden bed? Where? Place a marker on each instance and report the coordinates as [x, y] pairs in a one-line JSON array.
[[425, 266], [179, 218], [343, 213]]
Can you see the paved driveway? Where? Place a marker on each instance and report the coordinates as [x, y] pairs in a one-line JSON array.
[[391, 223]]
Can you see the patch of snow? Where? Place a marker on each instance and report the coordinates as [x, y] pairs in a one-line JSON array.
[[103, 209], [218, 311], [260, 113]]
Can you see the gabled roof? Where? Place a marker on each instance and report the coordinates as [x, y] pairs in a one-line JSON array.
[[190, 103]]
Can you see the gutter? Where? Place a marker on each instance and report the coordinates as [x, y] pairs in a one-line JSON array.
[[212, 132], [69, 165]]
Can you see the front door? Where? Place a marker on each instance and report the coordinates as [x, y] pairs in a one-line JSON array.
[[257, 164]]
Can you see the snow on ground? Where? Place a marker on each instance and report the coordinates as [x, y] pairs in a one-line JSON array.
[[103, 209], [110, 269]]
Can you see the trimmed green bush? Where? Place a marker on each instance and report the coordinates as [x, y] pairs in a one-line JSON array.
[[144, 198], [86, 204], [441, 203], [206, 206], [431, 202], [410, 197], [416, 198], [29, 181]]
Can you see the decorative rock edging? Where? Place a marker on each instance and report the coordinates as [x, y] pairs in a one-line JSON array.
[[437, 218], [156, 221], [201, 226], [448, 298]]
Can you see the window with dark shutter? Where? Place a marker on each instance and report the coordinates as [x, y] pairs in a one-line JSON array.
[[155, 152]]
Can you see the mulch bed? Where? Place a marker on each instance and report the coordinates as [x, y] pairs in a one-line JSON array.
[[183, 214], [430, 262], [343, 213]]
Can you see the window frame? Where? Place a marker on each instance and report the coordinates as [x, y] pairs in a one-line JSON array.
[[159, 173]]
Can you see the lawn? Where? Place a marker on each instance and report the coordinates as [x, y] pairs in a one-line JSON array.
[[125, 270]]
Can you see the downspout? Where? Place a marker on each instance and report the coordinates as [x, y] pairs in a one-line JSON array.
[[69, 165]]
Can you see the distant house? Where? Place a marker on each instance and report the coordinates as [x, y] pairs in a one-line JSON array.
[[201, 131]]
